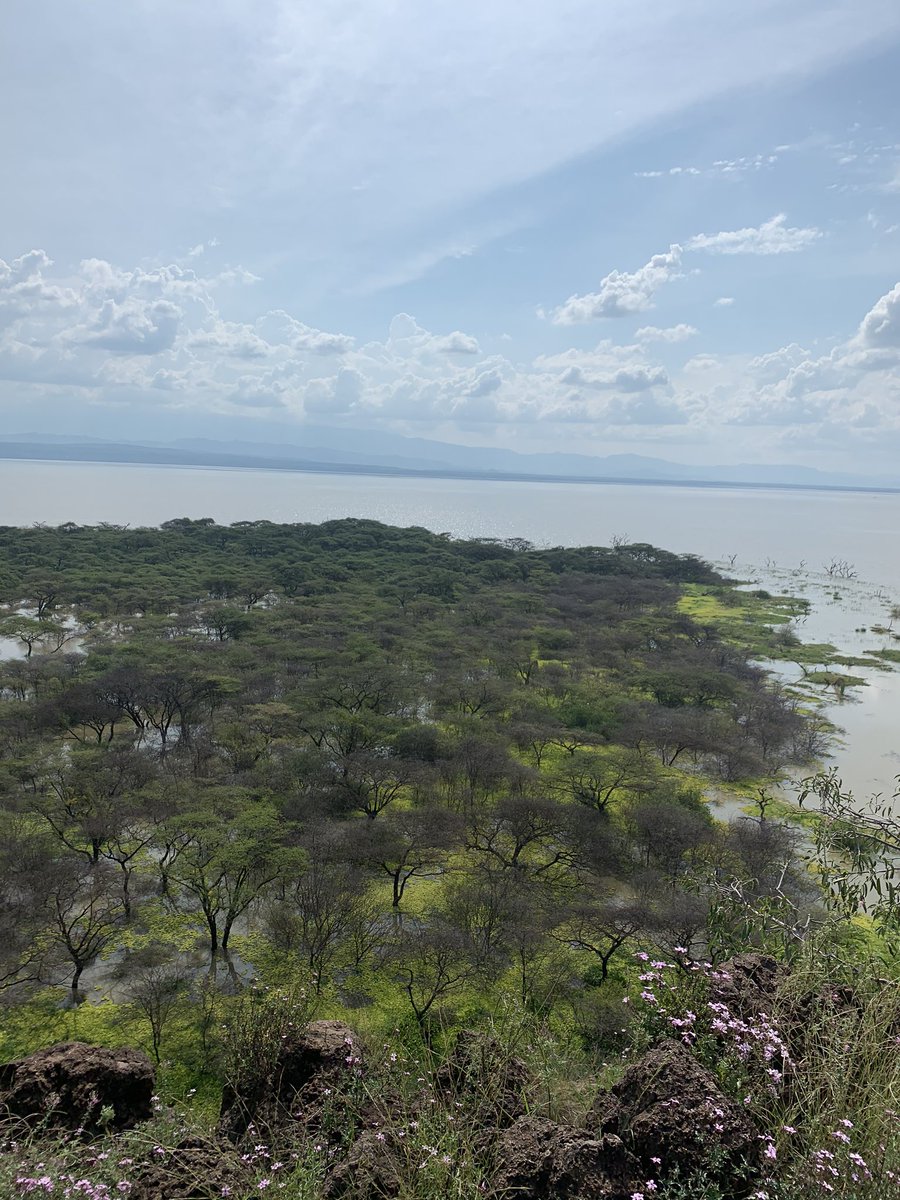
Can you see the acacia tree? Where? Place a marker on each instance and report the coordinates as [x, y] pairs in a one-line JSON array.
[[154, 983], [406, 844], [27, 630], [23, 914], [85, 912], [95, 802], [857, 850], [368, 782], [430, 962], [605, 926], [527, 835], [322, 908], [595, 778], [224, 855]]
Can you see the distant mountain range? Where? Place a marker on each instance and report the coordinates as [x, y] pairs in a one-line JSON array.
[[381, 453]]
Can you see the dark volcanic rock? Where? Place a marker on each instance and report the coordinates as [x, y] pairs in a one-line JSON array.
[[311, 1066], [748, 984], [69, 1085], [605, 1113], [491, 1084], [667, 1106], [541, 1160], [194, 1170], [368, 1171]]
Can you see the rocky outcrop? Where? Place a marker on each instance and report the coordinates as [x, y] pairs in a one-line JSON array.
[[492, 1085], [671, 1114], [312, 1067], [540, 1160], [748, 984], [666, 1119], [192, 1170], [78, 1087], [367, 1171]]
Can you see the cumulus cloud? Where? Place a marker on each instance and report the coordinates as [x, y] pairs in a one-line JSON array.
[[340, 393], [132, 327], [250, 392], [772, 237], [853, 386], [626, 379], [768, 368], [622, 293], [234, 340], [458, 343], [673, 333], [625, 293], [25, 290], [880, 327], [724, 302], [156, 335], [644, 410]]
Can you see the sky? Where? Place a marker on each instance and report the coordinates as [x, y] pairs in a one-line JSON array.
[[578, 225]]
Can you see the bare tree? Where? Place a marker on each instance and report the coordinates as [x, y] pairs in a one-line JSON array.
[[154, 982], [86, 913]]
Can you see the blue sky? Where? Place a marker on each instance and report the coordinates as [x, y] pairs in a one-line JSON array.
[[583, 225]]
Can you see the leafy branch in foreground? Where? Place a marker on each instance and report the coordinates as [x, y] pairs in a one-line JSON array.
[[857, 849]]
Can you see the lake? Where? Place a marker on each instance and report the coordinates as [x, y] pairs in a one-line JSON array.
[[783, 538]]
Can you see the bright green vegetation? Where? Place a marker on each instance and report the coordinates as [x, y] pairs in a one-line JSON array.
[[887, 656], [424, 780], [757, 621], [762, 625]]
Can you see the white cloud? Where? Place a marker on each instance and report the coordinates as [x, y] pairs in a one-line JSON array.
[[772, 237], [724, 167], [340, 393], [156, 336], [673, 333], [236, 340], [132, 327], [458, 343], [880, 327], [626, 379], [768, 368], [25, 290], [622, 293], [724, 302], [625, 293], [854, 386]]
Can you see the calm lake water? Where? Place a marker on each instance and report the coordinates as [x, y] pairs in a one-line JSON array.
[[780, 537]]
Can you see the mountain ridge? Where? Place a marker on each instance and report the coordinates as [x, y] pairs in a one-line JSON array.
[[456, 462]]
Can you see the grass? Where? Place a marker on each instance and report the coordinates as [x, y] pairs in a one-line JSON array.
[[836, 679], [830, 1118], [886, 656]]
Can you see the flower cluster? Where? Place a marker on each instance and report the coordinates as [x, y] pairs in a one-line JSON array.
[[755, 1043], [759, 1070]]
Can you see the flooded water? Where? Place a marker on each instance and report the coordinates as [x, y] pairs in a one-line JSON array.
[[784, 538]]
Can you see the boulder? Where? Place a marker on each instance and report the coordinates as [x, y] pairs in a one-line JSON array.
[[667, 1107], [367, 1171], [79, 1087], [748, 984], [491, 1084], [313, 1065], [193, 1170], [540, 1160]]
